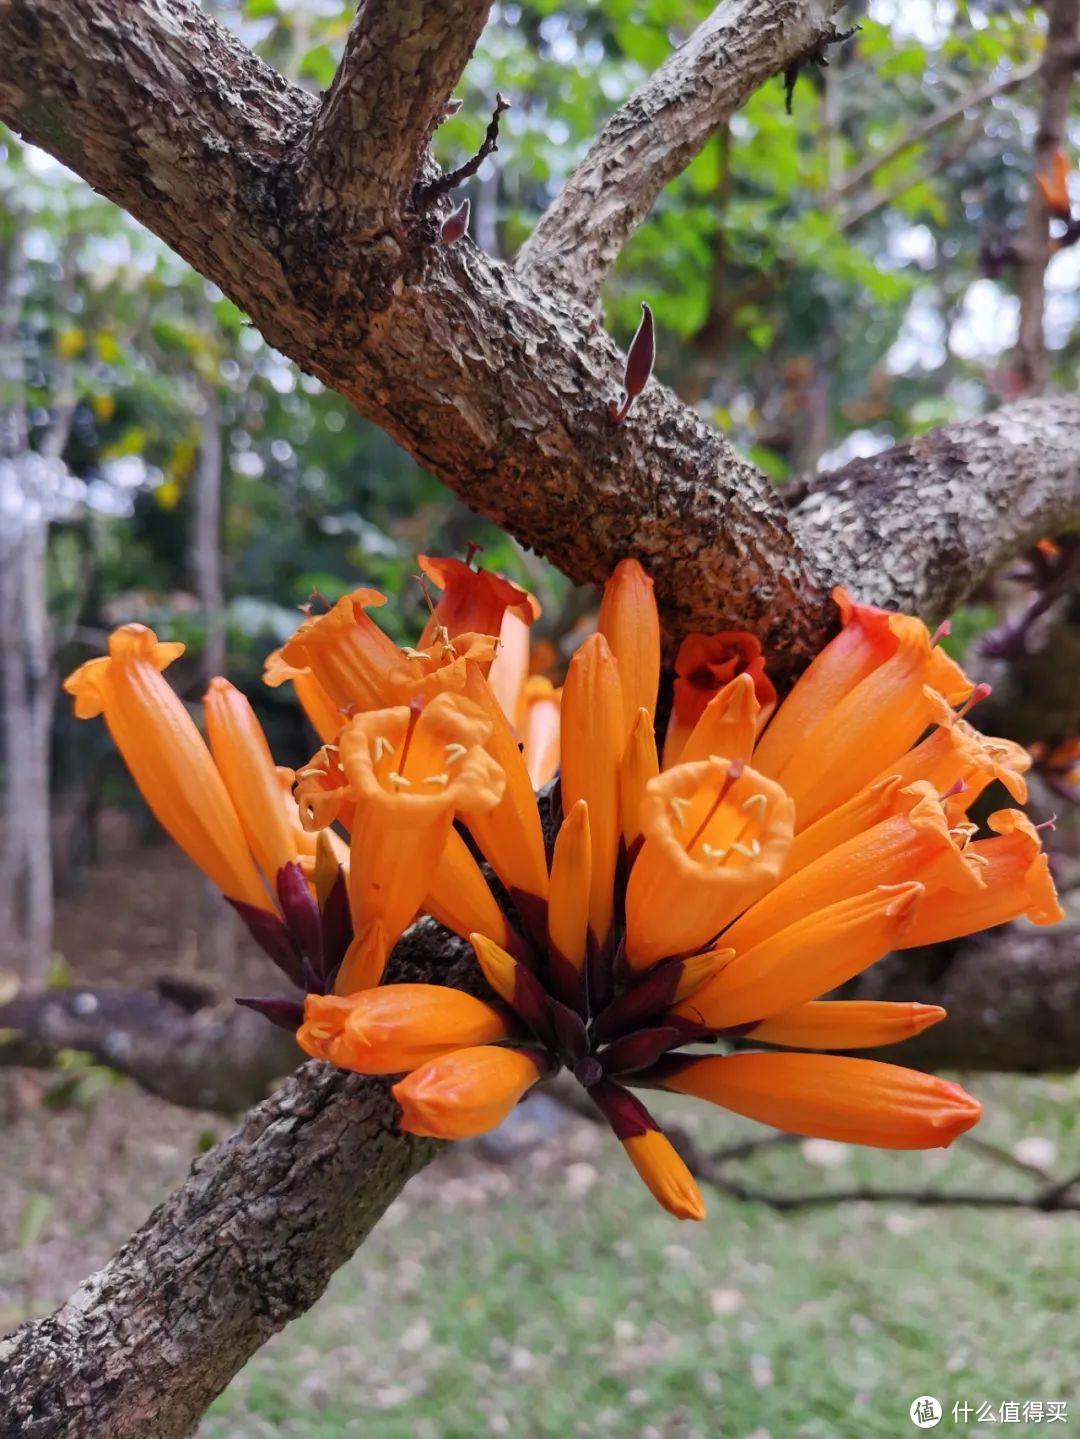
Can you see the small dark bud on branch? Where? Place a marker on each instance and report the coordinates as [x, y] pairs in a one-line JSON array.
[[455, 225], [639, 365], [452, 106]]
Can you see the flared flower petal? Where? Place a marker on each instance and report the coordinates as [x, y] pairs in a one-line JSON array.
[[955, 753], [471, 600], [705, 665], [1016, 882], [243, 760], [825, 949], [410, 771], [168, 758], [847, 1024], [395, 1027], [465, 1093], [593, 740], [323, 714], [441, 667], [509, 671], [716, 838], [631, 625], [907, 846], [347, 652], [824, 1096]]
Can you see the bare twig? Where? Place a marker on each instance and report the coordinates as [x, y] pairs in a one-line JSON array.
[[658, 132], [445, 183]]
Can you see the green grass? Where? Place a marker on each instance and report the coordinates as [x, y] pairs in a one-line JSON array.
[[552, 1299]]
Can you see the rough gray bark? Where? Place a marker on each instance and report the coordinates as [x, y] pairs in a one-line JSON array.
[[660, 130], [918, 527], [402, 60], [249, 1241]]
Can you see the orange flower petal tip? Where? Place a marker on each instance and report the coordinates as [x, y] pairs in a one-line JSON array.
[[465, 1093], [665, 1174]]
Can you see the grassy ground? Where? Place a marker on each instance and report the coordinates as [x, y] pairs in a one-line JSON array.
[[548, 1297], [552, 1299]]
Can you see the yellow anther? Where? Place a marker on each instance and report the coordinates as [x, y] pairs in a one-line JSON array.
[[398, 780], [977, 858], [718, 854], [454, 752], [439, 779], [411, 654], [753, 801], [679, 806], [748, 851], [381, 746]]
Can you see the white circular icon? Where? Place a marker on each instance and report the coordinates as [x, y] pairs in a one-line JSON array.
[[925, 1412]]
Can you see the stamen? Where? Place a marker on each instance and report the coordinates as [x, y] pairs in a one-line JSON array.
[[734, 770], [416, 705], [957, 787], [748, 851], [980, 692], [398, 780], [752, 801], [448, 650], [455, 752], [942, 632], [1050, 824], [710, 853], [439, 779], [679, 806], [977, 858], [411, 654], [382, 746]]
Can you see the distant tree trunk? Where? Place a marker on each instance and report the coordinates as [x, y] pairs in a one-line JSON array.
[[26, 902]]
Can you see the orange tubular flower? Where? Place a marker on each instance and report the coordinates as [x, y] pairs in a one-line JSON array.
[[593, 740], [466, 1093], [244, 762], [323, 714], [704, 667], [473, 601], [768, 859], [716, 837], [809, 958], [664, 1174], [347, 652], [1016, 881], [459, 897], [856, 1101], [410, 770], [906, 847], [167, 757], [540, 729], [630, 624], [394, 1028], [847, 1024]]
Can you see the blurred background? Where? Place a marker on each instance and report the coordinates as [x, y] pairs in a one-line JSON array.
[[825, 283]]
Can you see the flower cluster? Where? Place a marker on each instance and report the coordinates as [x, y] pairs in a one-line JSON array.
[[707, 890]]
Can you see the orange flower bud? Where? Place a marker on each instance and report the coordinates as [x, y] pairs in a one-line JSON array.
[[394, 1028], [465, 1093]]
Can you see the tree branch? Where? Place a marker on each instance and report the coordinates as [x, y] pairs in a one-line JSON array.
[[919, 526], [856, 177], [185, 1048], [402, 60], [660, 129], [248, 1242]]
